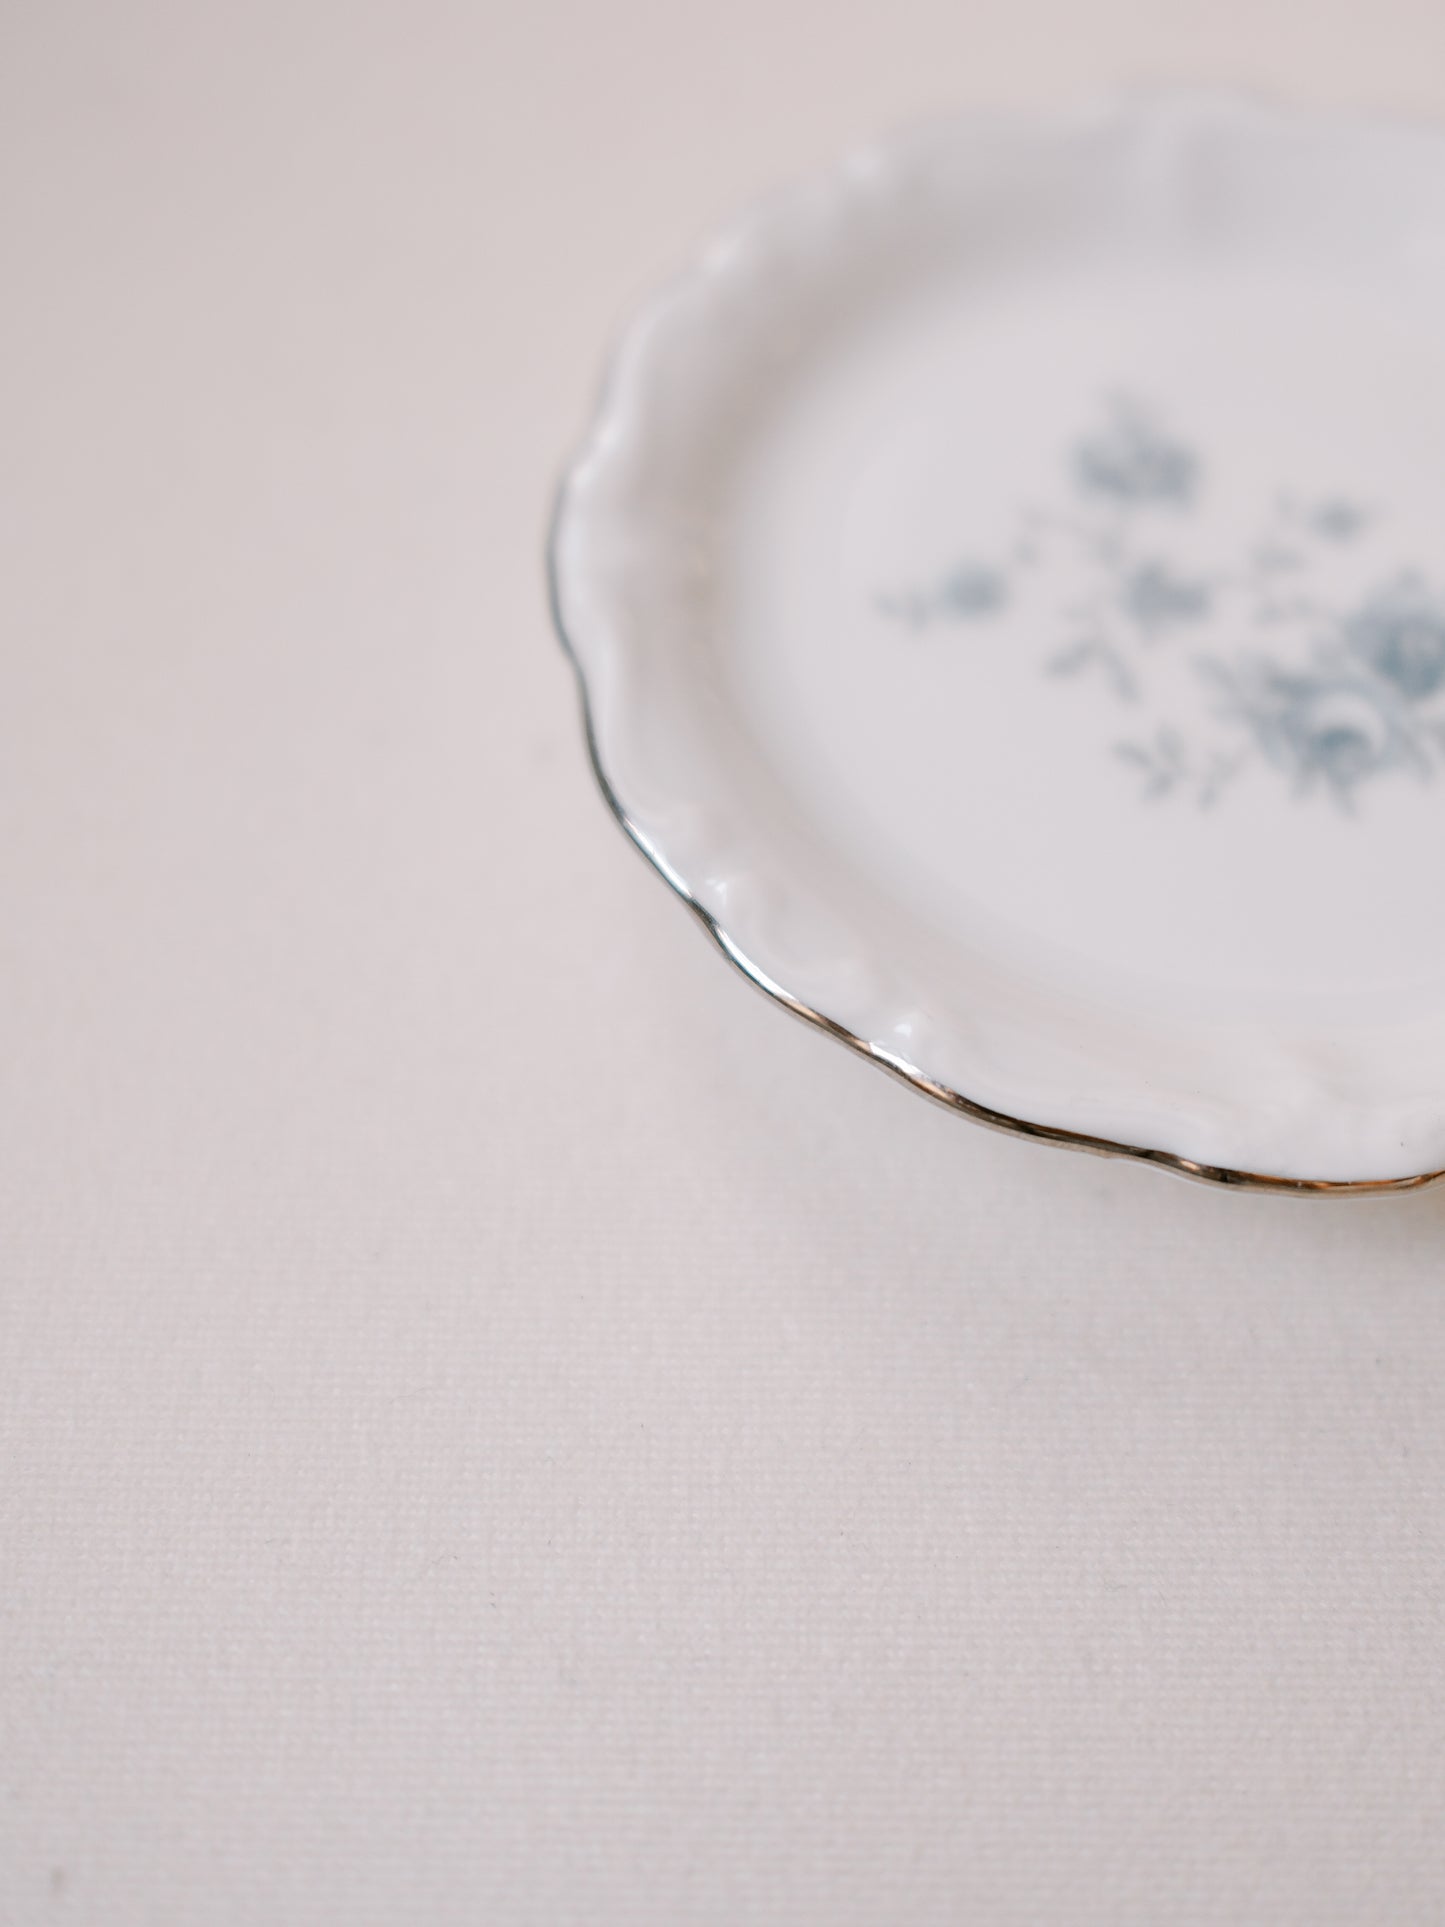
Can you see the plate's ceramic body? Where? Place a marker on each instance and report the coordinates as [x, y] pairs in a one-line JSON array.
[[1007, 578]]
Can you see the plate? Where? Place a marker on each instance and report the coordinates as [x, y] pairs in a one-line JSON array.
[[1007, 581]]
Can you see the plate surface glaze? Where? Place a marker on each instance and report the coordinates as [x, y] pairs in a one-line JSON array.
[[1007, 579]]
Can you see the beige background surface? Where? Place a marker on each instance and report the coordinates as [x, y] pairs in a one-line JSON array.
[[499, 1426]]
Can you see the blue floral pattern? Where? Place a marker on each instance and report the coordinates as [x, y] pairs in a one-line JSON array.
[[1400, 636], [1349, 687], [1131, 459]]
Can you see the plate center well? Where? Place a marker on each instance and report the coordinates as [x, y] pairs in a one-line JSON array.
[[1097, 613]]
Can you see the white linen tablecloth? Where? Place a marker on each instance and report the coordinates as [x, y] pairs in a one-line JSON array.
[[497, 1424]]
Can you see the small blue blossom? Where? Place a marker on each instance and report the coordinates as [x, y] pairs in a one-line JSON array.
[[1337, 733], [1324, 725], [1400, 634], [1337, 519], [1158, 598], [971, 592], [1133, 461]]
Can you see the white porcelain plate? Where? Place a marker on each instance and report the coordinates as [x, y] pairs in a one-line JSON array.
[[1007, 578]]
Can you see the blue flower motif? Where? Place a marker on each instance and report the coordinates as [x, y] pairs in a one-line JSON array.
[[1158, 598], [1133, 461], [1337, 520], [1343, 696], [1400, 634], [1335, 731], [1325, 725], [972, 591]]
